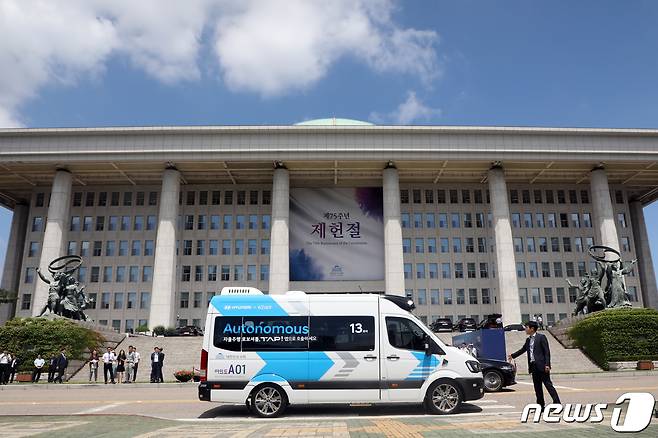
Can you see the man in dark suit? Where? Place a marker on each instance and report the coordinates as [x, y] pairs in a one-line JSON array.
[[62, 364], [157, 359], [539, 362]]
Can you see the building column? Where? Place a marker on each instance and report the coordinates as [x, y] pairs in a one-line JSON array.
[[393, 259], [11, 274], [643, 252], [163, 291], [508, 286], [604, 214], [54, 235], [280, 237]]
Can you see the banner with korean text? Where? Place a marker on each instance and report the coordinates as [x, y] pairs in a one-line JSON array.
[[336, 234]]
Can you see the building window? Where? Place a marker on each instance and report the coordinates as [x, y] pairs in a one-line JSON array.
[[429, 196], [105, 300], [198, 273], [416, 195], [212, 273], [147, 273], [407, 271], [523, 295], [459, 270], [264, 272], [226, 273], [118, 300], [486, 299], [184, 300], [548, 295], [265, 247], [404, 196], [472, 296], [520, 269], [406, 246], [37, 223], [447, 296], [215, 197], [621, 218], [461, 296], [186, 272]]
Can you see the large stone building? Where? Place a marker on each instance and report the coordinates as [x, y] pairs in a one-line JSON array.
[[475, 220]]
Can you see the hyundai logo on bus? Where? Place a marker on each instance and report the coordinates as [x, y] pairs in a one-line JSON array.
[[637, 417]]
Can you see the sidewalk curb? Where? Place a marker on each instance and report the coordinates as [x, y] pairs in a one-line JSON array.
[[602, 374]]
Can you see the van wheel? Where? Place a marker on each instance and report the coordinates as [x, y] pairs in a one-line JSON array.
[[443, 397], [268, 401], [493, 381]]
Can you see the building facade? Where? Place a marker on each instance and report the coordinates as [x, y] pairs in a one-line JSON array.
[[475, 220]]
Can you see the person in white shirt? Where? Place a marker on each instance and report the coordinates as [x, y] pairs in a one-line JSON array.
[[136, 363], [108, 360], [130, 363], [39, 362], [5, 359]]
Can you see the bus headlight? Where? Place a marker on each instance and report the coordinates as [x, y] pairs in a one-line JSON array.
[[473, 366]]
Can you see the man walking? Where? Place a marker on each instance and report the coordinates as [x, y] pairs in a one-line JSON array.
[[39, 362], [62, 364], [157, 357], [108, 359], [539, 362], [136, 363]]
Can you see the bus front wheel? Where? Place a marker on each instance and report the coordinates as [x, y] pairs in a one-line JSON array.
[[443, 397]]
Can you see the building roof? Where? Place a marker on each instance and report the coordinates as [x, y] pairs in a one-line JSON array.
[[326, 152]]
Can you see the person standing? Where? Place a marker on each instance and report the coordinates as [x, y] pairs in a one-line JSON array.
[[540, 322], [13, 367], [136, 363], [39, 362], [62, 364], [93, 366], [121, 366], [108, 359], [156, 365], [5, 359], [130, 361], [162, 358], [52, 369], [539, 362]]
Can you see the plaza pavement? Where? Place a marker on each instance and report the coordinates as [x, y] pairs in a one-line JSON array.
[[172, 410]]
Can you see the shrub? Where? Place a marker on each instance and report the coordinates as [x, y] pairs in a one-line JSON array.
[[618, 335], [142, 328], [159, 330], [28, 337], [170, 331]]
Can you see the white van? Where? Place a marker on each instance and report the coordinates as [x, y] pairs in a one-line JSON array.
[[269, 351]]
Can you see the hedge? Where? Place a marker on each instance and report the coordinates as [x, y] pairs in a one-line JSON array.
[[28, 337], [616, 335]]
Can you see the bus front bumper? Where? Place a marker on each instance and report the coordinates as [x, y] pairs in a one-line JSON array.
[[472, 388]]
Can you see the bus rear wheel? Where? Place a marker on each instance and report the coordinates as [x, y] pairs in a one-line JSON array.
[[268, 401]]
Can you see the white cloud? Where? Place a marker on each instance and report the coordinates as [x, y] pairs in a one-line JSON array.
[[411, 110], [267, 47]]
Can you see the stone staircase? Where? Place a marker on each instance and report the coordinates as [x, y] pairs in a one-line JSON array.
[[77, 368], [181, 352], [561, 329]]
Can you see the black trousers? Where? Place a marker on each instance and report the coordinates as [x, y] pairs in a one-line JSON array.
[[135, 366], [107, 368], [51, 374], [156, 372], [60, 375], [4, 373], [36, 375], [539, 378]]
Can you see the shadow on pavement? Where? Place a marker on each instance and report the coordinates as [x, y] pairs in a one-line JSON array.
[[240, 412]]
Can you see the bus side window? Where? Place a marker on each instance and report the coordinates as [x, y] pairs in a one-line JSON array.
[[405, 334], [227, 332]]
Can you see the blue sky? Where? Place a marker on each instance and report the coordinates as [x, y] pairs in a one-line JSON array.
[[164, 62]]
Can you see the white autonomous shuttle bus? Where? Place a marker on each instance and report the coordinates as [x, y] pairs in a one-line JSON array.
[[269, 351]]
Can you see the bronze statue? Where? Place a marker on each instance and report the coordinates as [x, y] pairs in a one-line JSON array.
[[65, 295], [592, 296]]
